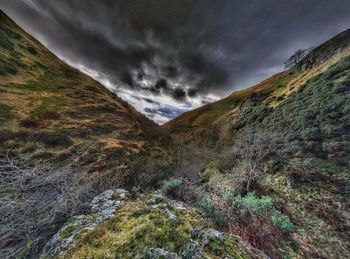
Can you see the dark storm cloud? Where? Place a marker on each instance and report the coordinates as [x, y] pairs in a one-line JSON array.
[[197, 47]]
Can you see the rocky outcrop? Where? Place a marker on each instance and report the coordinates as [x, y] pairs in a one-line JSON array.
[[103, 207], [149, 227]]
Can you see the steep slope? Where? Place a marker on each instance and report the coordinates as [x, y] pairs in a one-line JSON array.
[[64, 138], [272, 91], [307, 177], [47, 107]]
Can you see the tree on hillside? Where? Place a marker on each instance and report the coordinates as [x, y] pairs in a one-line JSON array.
[[295, 58], [252, 147]]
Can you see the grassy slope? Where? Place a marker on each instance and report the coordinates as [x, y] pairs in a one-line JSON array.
[[47, 107], [311, 108], [270, 91]]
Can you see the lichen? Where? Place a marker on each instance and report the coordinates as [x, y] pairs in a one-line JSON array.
[[150, 227]]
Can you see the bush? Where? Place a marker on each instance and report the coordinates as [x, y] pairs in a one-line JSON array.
[[55, 139], [171, 187], [253, 203], [6, 43], [282, 222], [7, 67], [209, 172], [220, 218], [135, 192], [208, 206], [29, 123], [211, 210]]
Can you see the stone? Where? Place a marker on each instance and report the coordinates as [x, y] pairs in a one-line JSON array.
[[159, 253], [103, 207]]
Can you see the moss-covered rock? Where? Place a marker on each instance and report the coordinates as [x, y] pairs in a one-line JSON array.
[[150, 226]]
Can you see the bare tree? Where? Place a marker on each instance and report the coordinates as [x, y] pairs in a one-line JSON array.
[[251, 148], [35, 201], [295, 58]]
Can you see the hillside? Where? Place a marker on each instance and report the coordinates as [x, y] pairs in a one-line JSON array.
[[271, 92], [49, 108], [64, 138], [306, 110]]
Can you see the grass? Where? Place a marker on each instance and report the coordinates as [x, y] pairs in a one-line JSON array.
[[5, 113], [37, 83], [49, 104]]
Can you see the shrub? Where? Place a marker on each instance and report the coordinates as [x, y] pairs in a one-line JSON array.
[[29, 123], [220, 218], [171, 187], [227, 194], [212, 210], [295, 245], [32, 50], [55, 139], [208, 206], [209, 172], [282, 222], [6, 43], [253, 203], [7, 67], [135, 192]]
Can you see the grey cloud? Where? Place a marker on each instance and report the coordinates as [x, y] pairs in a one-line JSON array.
[[199, 47]]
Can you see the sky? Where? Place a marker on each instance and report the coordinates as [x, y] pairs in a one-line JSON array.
[[166, 57]]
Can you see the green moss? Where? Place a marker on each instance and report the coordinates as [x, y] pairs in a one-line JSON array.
[[136, 228], [227, 248]]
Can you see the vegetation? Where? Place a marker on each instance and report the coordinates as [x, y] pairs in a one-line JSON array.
[[255, 219], [279, 180], [282, 222], [171, 187], [5, 113], [252, 148], [295, 58], [36, 200]]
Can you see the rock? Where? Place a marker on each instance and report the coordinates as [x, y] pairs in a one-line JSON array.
[[211, 235], [159, 253], [150, 216], [107, 202], [103, 207]]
